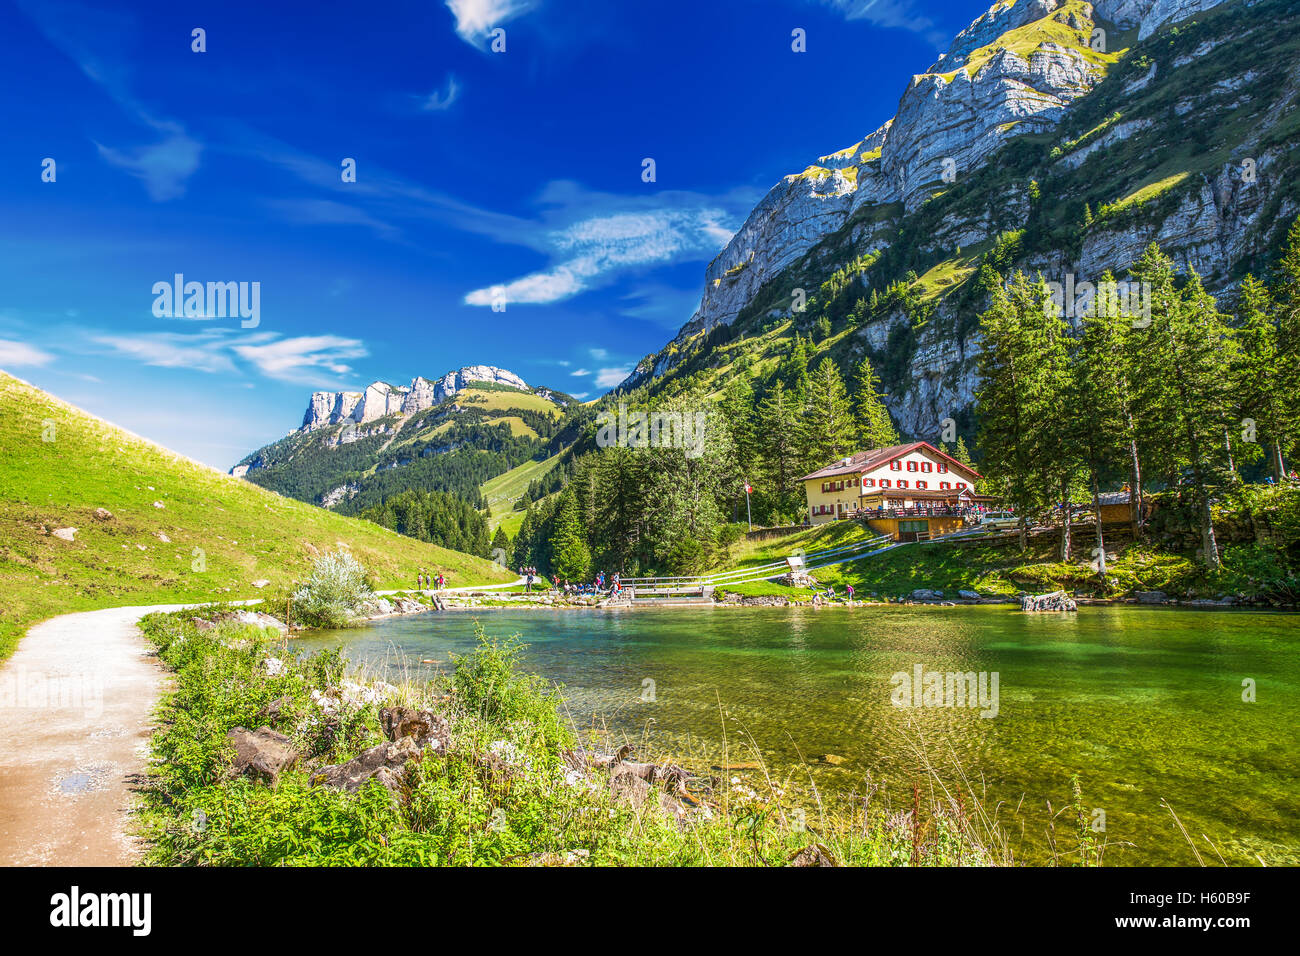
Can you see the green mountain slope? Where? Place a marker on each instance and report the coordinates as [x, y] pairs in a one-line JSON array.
[[481, 432], [1190, 139], [177, 530]]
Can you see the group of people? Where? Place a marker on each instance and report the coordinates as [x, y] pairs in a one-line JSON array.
[[830, 595], [424, 582], [529, 575]]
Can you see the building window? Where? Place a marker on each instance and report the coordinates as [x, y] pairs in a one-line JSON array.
[[895, 465], [922, 485], [945, 485], [911, 466], [961, 485], [868, 482], [943, 469], [902, 483], [839, 486], [884, 482], [926, 466]]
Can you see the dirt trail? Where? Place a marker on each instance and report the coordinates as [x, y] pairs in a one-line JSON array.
[[76, 701]]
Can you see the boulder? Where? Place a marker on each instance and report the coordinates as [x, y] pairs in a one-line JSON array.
[[262, 754], [103, 514], [812, 855], [926, 594], [1055, 601], [261, 583], [425, 727], [64, 534], [1151, 597], [968, 595], [254, 618], [384, 762], [275, 711]]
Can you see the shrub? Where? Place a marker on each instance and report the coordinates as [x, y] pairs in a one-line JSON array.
[[335, 593]]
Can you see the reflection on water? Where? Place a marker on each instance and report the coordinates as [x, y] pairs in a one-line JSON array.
[[1140, 704]]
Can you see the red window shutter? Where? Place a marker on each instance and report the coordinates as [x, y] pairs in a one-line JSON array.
[[961, 484], [911, 466], [922, 485]]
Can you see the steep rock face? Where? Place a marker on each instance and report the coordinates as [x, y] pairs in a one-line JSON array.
[[380, 399], [950, 120]]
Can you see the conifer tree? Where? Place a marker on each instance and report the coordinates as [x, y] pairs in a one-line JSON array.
[[570, 556], [875, 427], [830, 427]]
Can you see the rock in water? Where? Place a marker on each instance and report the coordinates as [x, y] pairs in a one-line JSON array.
[[1055, 601]]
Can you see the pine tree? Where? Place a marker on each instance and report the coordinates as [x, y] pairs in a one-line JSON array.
[[570, 556], [875, 427], [1184, 386], [1097, 402], [1007, 397], [830, 426], [501, 545], [1260, 371], [779, 438]]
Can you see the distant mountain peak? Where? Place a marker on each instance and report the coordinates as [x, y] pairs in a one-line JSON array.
[[380, 399]]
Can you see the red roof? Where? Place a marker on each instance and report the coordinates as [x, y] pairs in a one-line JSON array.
[[874, 458]]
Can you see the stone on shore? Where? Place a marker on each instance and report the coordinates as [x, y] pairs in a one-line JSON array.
[[1055, 601], [262, 754]]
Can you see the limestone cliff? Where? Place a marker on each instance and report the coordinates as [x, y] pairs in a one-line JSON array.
[[380, 399]]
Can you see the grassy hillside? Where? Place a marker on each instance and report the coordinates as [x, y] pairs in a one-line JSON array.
[[505, 489], [179, 531]]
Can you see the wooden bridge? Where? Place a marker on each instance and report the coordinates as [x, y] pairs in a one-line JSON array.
[[698, 589]]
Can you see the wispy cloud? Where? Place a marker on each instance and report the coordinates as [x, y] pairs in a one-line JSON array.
[[893, 14], [581, 372], [163, 167], [592, 236], [329, 212], [298, 359], [80, 32], [609, 377], [442, 99], [314, 360], [17, 354], [475, 19]]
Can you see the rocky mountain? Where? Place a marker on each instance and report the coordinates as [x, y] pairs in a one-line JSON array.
[[1054, 135], [354, 449], [380, 399]]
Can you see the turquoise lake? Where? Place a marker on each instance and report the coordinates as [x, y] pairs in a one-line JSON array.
[[1142, 705]]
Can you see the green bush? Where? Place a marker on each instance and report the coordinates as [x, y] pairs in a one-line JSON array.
[[335, 593]]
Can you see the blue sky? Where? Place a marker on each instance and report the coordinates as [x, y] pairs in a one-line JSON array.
[[475, 171]]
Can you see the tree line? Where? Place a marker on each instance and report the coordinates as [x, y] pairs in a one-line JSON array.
[[1176, 397]]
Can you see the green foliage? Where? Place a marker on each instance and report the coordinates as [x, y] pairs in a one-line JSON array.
[[335, 593], [434, 516], [498, 796]]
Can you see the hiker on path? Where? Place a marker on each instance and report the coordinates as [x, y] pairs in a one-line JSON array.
[[849, 589]]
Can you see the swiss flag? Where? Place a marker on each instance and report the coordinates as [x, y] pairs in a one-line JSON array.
[[748, 488]]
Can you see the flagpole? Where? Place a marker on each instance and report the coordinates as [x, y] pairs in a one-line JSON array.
[[748, 513]]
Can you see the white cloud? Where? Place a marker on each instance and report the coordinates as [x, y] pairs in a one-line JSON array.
[[609, 377], [300, 359], [896, 14], [203, 353], [593, 236], [476, 18], [15, 354], [442, 99], [578, 373], [163, 167], [317, 360]]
